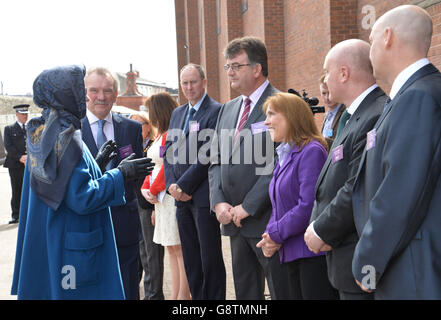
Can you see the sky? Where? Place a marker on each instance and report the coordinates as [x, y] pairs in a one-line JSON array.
[[39, 34]]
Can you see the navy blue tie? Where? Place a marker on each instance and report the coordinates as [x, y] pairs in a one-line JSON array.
[[100, 136], [189, 118]]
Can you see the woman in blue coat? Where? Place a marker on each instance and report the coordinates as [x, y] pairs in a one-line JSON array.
[[66, 244]]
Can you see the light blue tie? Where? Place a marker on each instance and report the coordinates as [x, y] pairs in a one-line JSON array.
[[100, 136]]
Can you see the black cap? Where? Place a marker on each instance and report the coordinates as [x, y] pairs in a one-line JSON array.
[[22, 108]]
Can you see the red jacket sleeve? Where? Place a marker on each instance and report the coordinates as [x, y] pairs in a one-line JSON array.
[[159, 184], [146, 183]]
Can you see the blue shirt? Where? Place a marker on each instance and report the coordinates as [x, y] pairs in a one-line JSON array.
[[283, 151], [327, 127]]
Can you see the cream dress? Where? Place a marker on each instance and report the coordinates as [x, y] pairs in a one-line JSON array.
[[166, 226]]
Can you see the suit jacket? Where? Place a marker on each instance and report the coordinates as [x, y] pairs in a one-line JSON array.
[[125, 218], [292, 196], [190, 170], [241, 173], [397, 195], [332, 211], [15, 145], [334, 126]]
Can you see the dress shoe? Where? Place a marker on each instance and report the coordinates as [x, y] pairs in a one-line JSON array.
[[13, 221]]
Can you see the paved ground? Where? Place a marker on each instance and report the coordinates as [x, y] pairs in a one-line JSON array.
[[8, 236]]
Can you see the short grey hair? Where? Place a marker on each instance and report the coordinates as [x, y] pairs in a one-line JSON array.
[[198, 67], [103, 72]]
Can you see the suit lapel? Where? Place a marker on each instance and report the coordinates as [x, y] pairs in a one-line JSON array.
[[255, 114], [118, 134], [428, 69], [370, 98], [88, 136], [234, 115], [183, 116], [288, 160]]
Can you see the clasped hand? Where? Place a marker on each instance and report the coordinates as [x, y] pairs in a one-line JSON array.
[[226, 213], [179, 196], [314, 243], [149, 196], [269, 247]]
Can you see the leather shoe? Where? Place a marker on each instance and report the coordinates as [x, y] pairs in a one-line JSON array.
[[13, 221]]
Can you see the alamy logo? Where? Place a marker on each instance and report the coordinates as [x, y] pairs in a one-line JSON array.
[[369, 19], [368, 280], [69, 280]]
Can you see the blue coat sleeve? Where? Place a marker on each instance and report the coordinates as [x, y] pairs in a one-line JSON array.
[[86, 194]]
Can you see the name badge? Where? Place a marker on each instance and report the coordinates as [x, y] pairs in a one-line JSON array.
[[194, 126], [126, 151], [371, 139], [161, 151], [337, 153], [328, 133], [258, 127]]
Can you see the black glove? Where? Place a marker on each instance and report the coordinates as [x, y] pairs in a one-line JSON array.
[[133, 169], [106, 153]]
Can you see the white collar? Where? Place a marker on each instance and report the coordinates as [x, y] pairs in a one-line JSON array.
[[404, 75], [356, 103], [255, 96], [93, 118]]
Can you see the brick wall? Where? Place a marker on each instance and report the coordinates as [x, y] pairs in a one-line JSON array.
[[298, 34], [210, 58]]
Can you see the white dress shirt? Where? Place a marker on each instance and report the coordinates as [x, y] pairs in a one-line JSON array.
[[404, 75], [254, 97], [108, 127]]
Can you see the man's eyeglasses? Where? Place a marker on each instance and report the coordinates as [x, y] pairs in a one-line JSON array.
[[235, 67]]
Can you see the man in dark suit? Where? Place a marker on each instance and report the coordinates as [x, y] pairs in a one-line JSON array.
[[334, 110], [348, 75], [186, 176], [101, 125], [241, 169], [397, 190], [15, 145]]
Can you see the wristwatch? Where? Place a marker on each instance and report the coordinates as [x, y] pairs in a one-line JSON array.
[[178, 189]]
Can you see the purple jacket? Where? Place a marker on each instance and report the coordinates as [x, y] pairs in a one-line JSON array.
[[292, 196]]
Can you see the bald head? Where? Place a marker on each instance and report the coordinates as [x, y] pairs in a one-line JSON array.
[[411, 25], [348, 70], [354, 54]]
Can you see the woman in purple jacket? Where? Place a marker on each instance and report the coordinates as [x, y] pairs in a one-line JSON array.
[[301, 155]]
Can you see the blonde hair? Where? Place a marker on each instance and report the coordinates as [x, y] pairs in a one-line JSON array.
[[299, 117]]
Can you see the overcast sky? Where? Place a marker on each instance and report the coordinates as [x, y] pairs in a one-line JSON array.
[[40, 34]]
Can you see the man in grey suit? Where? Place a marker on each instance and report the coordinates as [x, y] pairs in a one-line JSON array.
[[242, 162], [397, 191], [348, 75]]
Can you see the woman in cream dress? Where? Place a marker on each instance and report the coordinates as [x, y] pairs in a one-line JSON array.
[[160, 107]]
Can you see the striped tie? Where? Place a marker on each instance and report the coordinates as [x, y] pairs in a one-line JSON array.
[[243, 119]]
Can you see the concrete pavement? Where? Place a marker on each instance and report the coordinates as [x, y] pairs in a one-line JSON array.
[[8, 237]]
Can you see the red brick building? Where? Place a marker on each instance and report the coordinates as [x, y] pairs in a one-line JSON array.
[[297, 33]]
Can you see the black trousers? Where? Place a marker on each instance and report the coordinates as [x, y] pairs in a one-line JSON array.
[[128, 263], [251, 267], [16, 176], [309, 279], [151, 258]]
